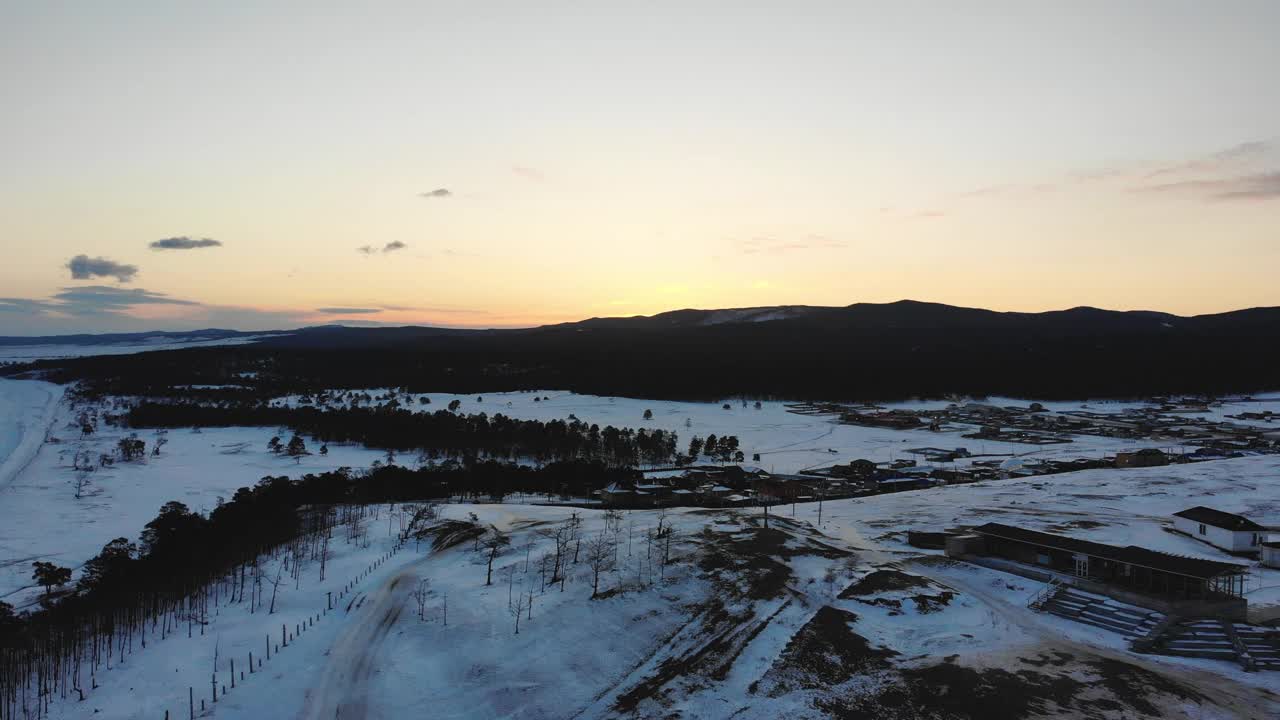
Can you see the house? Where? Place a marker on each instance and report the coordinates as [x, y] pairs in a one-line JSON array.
[[899, 484], [1223, 530], [1146, 457], [1148, 578]]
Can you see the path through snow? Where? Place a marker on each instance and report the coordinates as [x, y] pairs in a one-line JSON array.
[[343, 689]]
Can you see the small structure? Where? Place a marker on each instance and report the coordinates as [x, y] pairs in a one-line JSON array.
[[1223, 530], [1271, 554]]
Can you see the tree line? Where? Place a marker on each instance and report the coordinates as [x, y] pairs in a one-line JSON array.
[[441, 434]]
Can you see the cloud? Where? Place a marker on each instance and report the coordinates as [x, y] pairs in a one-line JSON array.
[[1222, 160], [776, 246], [184, 243], [437, 193], [95, 299], [83, 267], [437, 309], [348, 311], [24, 305], [928, 214], [985, 191], [392, 246], [528, 173], [1260, 186]]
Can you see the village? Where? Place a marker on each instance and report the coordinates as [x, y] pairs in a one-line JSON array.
[[1160, 423]]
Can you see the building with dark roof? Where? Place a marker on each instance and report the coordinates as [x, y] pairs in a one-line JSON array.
[[1224, 530], [1212, 586]]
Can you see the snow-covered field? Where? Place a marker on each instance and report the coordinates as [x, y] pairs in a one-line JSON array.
[[700, 642], [718, 636], [42, 519], [786, 442]]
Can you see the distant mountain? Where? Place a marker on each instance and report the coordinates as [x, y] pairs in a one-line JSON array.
[[139, 338], [861, 351]]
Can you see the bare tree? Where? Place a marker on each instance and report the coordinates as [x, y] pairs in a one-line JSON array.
[[82, 479], [667, 537], [493, 544], [517, 609], [420, 594], [599, 559], [275, 584]]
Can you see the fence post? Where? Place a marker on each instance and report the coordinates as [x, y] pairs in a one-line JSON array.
[[191, 701]]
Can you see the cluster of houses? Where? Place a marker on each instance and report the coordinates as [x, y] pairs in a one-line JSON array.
[[746, 485], [1162, 420]]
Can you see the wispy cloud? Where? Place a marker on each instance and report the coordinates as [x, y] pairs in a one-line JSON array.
[[986, 191], [95, 299], [1259, 186], [437, 193], [444, 310], [777, 246], [927, 214], [348, 311], [25, 305], [1200, 172], [184, 243], [1220, 161], [528, 173], [83, 267]]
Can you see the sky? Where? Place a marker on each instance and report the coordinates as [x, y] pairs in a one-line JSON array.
[[255, 165]]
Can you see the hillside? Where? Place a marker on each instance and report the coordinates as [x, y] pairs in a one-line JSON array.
[[860, 352]]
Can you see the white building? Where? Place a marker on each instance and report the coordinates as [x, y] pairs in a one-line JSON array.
[[1224, 530], [1271, 554]]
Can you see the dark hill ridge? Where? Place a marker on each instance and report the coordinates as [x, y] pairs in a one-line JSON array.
[[863, 351]]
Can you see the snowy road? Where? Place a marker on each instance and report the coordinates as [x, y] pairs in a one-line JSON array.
[[343, 689], [27, 410]]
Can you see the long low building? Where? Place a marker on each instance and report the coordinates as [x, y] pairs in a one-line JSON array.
[[1192, 584]]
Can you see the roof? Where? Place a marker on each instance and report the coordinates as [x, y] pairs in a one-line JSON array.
[[1218, 518], [1130, 555]]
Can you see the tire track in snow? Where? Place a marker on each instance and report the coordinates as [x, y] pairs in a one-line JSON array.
[[342, 691]]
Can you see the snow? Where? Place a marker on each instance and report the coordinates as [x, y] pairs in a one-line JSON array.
[[37, 482], [578, 655], [153, 680], [26, 410], [787, 442], [1119, 507], [52, 351]]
